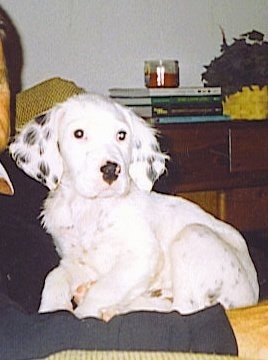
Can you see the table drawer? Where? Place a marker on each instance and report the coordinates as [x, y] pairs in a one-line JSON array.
[[199, 157], [248, 149]]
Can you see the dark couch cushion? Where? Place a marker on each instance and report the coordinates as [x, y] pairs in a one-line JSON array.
[[25, 336]]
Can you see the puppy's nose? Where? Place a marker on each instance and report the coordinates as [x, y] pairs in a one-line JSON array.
[[110, 171]]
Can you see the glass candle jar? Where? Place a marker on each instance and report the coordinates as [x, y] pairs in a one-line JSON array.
[[161, 73]]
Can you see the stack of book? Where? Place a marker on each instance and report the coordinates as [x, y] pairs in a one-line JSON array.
[[169, 105]]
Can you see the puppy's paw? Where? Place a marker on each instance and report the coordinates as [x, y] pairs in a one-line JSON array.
[[81, 291], [105, 314], [109, 313], [85, 310]]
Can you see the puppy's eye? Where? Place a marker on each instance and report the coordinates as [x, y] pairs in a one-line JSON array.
[[78, 134], [121, 135]]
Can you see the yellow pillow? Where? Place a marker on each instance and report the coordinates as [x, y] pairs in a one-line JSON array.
[[42, 97]]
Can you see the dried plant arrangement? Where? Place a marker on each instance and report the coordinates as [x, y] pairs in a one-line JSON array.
[[242, 72]]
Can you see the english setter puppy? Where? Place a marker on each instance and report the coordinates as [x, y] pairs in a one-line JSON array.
[[132, 247]]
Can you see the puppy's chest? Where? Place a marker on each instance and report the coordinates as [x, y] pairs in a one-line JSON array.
[[81, 231]]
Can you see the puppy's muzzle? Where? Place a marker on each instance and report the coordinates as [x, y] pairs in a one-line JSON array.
[[110, 171]]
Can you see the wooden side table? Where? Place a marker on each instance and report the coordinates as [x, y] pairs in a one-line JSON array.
[[223, 166]]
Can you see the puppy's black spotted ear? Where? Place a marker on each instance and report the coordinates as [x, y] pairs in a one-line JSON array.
[[148, 162], [35, 149]]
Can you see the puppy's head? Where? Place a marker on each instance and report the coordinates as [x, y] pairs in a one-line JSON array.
[[91, 144]]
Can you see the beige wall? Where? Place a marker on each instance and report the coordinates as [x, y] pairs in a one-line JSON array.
[[103, 43]]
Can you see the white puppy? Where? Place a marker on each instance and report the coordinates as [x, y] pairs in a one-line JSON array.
[[134, 248]]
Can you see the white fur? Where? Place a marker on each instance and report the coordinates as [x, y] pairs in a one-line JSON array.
[[137, 248]]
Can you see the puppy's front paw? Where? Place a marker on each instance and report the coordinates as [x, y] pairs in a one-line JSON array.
[[104, 314], [109, 313], [81, 291], [82, 311]]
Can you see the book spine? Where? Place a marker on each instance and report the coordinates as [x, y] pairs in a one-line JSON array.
[[130, 101], [186, 99], [172, 100], [186, 110], [142, 110], [191, 119], [164, 92]]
